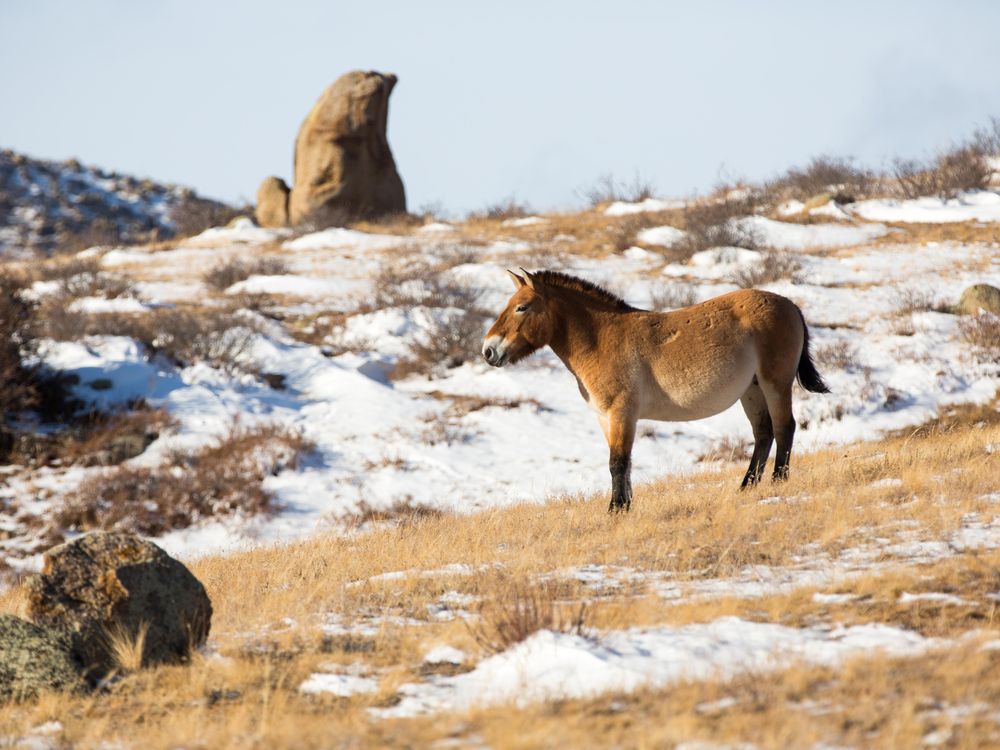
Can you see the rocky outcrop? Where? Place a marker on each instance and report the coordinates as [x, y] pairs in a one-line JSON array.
[[272, 203], [343, 165], [107, 583], [979, 297], [35, 659]]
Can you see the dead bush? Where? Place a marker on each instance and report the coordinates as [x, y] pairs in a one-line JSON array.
[[841, 177], [508, 208], [837, 355], [964, 167], [607, 189], [672, 296], [185, 336], [227, 273], [911, 300], [982, 333], [93, 438], [222, 479], [193, 215], [403, 511], [711, 223], [623, 233], [519, 611], [771, 267], [18, 387], [96, 283]]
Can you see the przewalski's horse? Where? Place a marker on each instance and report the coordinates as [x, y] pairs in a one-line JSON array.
[[691, 363]]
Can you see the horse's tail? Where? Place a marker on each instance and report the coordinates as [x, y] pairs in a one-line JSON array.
[[808, 375]]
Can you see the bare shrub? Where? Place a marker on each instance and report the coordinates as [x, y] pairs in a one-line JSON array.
[[508, 208], [444, 429], [964, 167], [18, 386], [227, 273], [837, 355], [711, 223], [185, 336], [623, 233], [93, 438], [521, 610], [672, 296], [607, 189], [455, 335], [982, 333], [911, 300], [194, 215], [839, 176], [451, 342], [771, 267], [222, 479], [403, 511], [96, 283]]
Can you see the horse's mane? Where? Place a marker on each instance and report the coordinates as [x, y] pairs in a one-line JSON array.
[[587, 288]]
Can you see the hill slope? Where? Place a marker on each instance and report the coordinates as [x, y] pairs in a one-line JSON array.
[[48, 205]]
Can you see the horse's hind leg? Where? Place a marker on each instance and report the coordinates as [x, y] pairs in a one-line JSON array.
[[755, 406], [779, 406]]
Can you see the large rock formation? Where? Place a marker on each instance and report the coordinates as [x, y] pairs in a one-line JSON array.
[[104, 584], [34, 659], [343, 165]]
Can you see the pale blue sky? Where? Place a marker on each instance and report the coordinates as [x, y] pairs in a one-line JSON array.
[[531, 99]]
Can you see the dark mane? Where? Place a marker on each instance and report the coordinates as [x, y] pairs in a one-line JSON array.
[[596, 293]]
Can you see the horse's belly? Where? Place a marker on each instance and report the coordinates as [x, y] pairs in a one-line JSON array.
[[680, 399]]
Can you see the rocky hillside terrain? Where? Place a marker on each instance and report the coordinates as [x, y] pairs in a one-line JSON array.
[[60, 206]]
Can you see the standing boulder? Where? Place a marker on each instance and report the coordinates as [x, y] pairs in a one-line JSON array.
[[107, 584], [272, 203], [343, 165], [979, 297], [35, 659]]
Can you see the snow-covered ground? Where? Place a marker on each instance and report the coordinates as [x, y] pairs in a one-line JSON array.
[[530, 436]]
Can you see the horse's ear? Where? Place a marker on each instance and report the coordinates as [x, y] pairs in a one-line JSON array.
[[518, 281], [532, 281]]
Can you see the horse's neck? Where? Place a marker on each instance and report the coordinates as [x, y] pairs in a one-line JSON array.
[[575, 338]]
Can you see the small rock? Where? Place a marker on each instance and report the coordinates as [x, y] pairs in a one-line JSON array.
[[979, 297], [34, 659], [106, 582]]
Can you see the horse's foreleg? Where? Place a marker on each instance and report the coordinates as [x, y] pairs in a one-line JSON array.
[[619, 428]]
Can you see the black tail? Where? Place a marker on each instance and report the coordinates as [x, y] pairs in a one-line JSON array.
[[808, 375]]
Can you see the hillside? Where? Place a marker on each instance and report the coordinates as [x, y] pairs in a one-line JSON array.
[[406, 547], [48, 205]]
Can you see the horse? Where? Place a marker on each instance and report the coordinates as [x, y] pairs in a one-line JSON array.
[[631, 364]]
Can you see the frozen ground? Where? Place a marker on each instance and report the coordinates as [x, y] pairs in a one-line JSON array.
[[529, 436]]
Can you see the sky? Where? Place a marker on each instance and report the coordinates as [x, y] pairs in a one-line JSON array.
[[533, 101]]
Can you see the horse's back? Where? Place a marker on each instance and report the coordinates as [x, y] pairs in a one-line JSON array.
[[701, 359]]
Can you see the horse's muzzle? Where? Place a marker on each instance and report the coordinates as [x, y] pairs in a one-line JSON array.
[[494, 357]]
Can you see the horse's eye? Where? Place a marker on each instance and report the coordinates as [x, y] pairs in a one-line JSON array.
[[520, 308]]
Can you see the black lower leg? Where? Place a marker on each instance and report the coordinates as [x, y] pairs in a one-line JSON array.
[[621, 484], [784, 452]]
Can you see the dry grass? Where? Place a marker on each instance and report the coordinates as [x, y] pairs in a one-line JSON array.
[[982, 333], [693, 527], [127, 649], [673, 295], [520, 610]]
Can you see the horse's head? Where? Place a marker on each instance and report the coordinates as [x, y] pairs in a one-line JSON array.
[[523, 327]]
